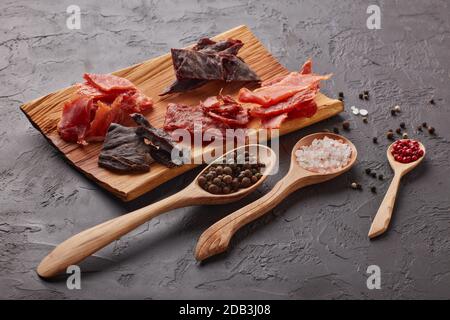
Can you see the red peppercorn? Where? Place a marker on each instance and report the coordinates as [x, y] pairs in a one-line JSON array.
[[406, 151]]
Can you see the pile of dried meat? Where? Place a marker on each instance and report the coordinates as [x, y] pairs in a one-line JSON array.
[[208, 60], [133, 149], [218, 112], [101, 100], [286, 96]]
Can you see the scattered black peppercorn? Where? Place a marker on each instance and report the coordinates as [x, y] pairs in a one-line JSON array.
[[380, 177], [424, 124], [373, 189], [398, 130], [402, 125], [346, 125], [368, 171], [373, 174], [366, 97], [341, 94], [366, 92], [431, 130], [390, 135], [336, 130], [432, 101], [393, 112], [419, 128], [361, 96], [375, 140], [365, 119], [359, 186]]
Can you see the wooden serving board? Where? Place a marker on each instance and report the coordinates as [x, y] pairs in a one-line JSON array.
[[152, 76]]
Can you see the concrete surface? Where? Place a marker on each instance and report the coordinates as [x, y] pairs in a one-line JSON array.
[[314, 245]]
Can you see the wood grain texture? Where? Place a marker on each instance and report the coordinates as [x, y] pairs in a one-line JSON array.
[[216, 238], [152, 76], [383, 217], [78, 247]]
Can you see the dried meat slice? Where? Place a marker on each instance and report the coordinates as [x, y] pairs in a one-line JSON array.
[[124, 151], [292, 103], [274, 122], [75, 121], [104, 116], [208, 60], [241, 119], [306, 110], [179, 116], [282, 89], [109, 82]]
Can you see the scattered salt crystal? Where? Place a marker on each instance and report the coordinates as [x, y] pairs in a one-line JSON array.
[[355, 111], [363, 112], [324, 155]]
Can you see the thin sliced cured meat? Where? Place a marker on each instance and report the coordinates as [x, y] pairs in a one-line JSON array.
[[282, 89], [227, 110], [76, 118], [292, 103], [306, 110], [104, 116], [109, 99], [109, 82], [274, 122], [179, 116], [239, 120], [223, 105]]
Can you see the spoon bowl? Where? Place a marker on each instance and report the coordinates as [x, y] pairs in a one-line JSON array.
[[217, 237], [403, 168], [384, 214], [84, 244]]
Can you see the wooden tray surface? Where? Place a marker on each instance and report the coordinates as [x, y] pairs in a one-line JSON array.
[[152, 76]]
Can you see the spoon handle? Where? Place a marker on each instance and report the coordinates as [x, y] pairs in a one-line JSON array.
[[85, 243], [383, 217], [217, 237]]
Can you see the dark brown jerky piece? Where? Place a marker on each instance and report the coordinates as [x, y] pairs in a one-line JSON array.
[[235, 69], [183, 86], [208, 60], [124, 151], [161, 142]]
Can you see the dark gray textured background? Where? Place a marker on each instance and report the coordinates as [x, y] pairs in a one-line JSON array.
[[314, 245]]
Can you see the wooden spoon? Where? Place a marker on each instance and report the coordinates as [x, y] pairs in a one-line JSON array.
[[217, 237], [381, 221], [82, 245]]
